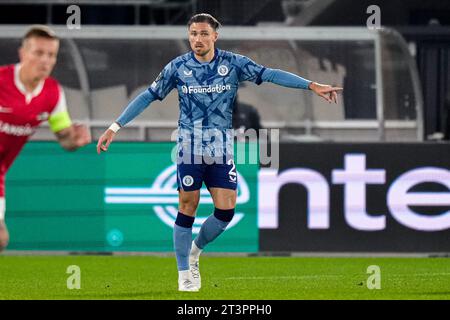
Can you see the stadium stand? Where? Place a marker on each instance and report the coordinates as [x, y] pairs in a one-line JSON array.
[[103, 66]]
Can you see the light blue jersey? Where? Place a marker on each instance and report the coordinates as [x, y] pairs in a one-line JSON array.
[[206, 97]]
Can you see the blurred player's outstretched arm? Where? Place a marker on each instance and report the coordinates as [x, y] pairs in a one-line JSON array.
[[135, 107], [73, 137]]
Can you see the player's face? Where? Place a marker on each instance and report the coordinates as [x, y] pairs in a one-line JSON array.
[[38, 56], [202, 38]]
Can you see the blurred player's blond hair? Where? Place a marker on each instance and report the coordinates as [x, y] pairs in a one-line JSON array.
[[39, 31]]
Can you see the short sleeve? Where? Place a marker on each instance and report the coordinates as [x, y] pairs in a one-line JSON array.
[[164, 83], [249, 70]]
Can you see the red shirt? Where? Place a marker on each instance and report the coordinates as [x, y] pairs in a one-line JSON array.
[[21, 112]]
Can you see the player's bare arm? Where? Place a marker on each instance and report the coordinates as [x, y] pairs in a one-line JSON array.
[[73, 137], [105, 140], [133, 109], [327, 92]]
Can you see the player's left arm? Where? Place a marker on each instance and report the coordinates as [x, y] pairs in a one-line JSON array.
[[251, 71], [71, 136], [291, 80]]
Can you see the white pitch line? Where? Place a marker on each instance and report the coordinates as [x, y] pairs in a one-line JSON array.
[[419, 274], [285, 277], [335, 276]]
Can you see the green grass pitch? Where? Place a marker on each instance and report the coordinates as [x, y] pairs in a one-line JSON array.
[[234, 278]]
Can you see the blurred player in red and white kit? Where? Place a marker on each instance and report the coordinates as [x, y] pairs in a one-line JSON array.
[[29, 96]]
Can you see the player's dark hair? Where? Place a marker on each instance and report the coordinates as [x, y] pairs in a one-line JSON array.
[[40, 31], [205, 17]]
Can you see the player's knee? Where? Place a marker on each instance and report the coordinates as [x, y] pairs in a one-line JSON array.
[[225, 215], [188, 205], [187, 208]]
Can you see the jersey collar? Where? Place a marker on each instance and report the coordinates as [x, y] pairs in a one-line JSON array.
[[216, 53], [21, 87]]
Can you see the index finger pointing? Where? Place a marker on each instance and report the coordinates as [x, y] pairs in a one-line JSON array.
[[333, 89]]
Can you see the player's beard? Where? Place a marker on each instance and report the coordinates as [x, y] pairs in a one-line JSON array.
[[204, 53], [201, 51]]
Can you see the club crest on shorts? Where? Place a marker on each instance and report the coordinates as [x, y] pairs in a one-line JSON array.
[[222, 70], [188, 181]]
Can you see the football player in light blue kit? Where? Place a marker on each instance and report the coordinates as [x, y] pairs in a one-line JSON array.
[[207, 80]]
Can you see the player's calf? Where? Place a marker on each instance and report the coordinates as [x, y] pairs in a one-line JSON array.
[[4, 235], [210, 230]]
